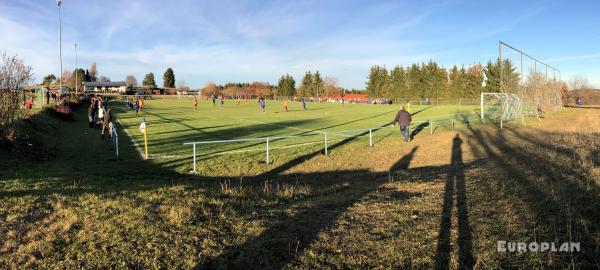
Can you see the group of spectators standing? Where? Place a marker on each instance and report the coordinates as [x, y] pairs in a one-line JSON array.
[[100, 115]]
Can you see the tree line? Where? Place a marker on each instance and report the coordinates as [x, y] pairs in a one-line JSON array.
[[150, 82], [70, 79], [430, 80]]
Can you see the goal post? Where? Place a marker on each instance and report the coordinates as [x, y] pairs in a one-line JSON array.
[[500, 107]]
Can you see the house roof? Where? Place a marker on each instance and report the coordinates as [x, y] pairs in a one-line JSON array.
[[104, 84]]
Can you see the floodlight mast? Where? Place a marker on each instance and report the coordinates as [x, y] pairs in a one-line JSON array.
[[58, 3], [76, 73]]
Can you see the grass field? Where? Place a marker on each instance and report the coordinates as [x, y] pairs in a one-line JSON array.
[[172, 122], [441, 201]]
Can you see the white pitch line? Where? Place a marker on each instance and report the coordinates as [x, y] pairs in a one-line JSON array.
[[137, 146]]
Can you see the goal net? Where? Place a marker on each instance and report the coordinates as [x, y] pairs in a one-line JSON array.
[[536, 84], [500, 106]]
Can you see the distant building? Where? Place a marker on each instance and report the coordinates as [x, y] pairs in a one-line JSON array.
[[105, 86]]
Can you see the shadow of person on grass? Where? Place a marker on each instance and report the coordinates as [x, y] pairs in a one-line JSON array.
[[455, 187], [552, 182], [418, 129], [291, 234]]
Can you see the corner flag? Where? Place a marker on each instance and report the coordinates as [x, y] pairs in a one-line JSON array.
[[143, 125]]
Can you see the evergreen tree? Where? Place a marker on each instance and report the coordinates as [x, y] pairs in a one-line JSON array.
[[169, 78], [398, 85], [473, 80], [454, 83], [49, 79], [149, 80], [286, 86], [415, 82], [306, 86], [318, 85], [377, 79], [510, 77]]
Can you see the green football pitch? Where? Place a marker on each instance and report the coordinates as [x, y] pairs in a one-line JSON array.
[[172, 122]]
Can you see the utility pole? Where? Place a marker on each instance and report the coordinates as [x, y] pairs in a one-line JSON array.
[[76, 72], [58, 2]]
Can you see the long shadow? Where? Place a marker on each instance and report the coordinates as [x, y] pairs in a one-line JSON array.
[[455, 183], [421, 110], [418, 129], [291, 234], [404, 162], [556, 193]]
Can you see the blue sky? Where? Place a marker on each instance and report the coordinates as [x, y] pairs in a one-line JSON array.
[[223, 41]]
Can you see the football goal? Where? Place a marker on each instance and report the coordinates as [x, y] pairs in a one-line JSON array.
[[500, 107]]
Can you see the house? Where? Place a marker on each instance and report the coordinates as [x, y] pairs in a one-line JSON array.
[[105, 86]]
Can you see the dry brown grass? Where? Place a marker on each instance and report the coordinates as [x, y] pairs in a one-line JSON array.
[[398, 205]]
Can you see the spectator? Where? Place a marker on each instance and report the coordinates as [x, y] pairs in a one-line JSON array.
[[403, 119], [107, 124], [100, 113], [91, 115]]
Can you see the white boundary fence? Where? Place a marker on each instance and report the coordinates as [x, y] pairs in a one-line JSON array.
[[326, 139], [115, 140]]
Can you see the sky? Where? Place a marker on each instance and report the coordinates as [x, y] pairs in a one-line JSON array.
[[245, 41]]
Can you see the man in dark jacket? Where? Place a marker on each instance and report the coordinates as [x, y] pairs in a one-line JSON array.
[[403, 119]]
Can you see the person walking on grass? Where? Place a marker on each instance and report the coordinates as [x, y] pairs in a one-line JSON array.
[[262, 104], [407, 106], [222, 101], [303, 104], [238, 101], [195, 104], [107, 124], [285, 104], [137, 106], [213, 100], [403, 119]]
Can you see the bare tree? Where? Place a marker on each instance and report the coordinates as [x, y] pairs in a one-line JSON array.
[[579, 82], [181, 85], [14, 74], [67, 79], [130, 80], [93, 72], [210, 88], [331, 86]]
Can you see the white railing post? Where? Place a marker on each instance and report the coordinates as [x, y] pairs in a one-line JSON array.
[[194, 158], [326, 152], [117, 144], [371, 137], [430, 128], [481, 105], [267, 150]]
